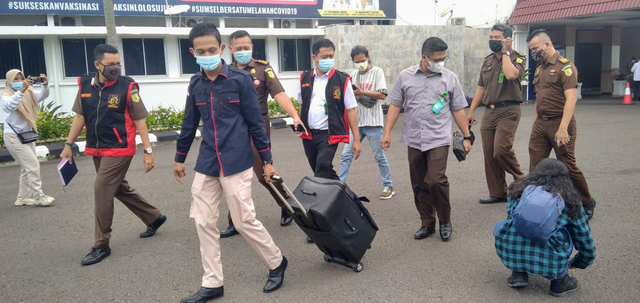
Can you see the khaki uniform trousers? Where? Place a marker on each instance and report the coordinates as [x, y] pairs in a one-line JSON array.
[[206, 195]]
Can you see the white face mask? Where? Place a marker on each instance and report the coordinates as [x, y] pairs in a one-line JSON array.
[[436, 67], [362, 66]]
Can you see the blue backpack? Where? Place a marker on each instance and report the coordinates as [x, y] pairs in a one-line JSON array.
[[537, 213]]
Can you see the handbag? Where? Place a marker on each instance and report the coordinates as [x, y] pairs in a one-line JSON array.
[[26, 137]]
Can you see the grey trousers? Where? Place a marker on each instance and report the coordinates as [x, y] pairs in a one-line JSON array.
[[25, 155]]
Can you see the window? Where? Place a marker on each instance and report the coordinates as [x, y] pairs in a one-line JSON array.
[[188, 62], [26, 55], [144, 57], [259, 49], [78, 56], [295, 54]]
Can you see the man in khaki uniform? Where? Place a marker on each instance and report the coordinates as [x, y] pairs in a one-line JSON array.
[[554, 126], [266, 83], [500, 91]]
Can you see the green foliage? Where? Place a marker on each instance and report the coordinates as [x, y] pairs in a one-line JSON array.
[[53, 124], [164, 118], [275, 111]]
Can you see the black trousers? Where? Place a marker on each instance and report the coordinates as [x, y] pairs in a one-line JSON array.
[[320, 154]]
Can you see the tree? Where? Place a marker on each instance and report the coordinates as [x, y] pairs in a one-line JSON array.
[[110, 21]]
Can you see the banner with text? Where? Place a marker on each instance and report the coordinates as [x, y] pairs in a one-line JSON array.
[[285, 9]]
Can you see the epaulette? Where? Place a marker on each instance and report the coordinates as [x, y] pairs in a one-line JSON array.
[[487, 57], [563, 60], [520, 54], [263, 62]]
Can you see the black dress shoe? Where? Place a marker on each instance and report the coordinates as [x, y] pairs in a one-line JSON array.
[[492, 200], [588, 209], [518, 279], [309, 240], [276, 277], [153, 228], [285, 218], [228, 232], [96, 255], [445, 231], [205, 294], [424, 232]]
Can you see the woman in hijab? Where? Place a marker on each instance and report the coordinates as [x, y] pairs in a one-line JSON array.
[[20, 111]]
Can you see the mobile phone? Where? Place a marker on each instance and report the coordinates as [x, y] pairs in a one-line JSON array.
[[354, 87], [300, 128], [36, 80]]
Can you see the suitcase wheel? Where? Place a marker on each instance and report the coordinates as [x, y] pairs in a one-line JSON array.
[[358, 267]]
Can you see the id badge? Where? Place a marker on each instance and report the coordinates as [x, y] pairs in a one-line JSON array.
[[437, 107], [325, 109], [501, 78]]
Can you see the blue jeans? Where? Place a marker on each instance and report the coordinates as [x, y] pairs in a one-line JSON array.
[[374, 134]]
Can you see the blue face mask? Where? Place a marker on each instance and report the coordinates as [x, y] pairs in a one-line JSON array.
[[17, 85], [208, 63], [243, 57], [325, 65]]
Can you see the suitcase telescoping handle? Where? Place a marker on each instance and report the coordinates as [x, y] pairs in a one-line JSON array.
[[277, 179]]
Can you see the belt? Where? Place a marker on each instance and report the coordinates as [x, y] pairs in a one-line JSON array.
[[503, 104], [318, 131], [550, 118]]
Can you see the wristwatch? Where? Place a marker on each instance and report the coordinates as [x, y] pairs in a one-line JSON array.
[[267, 162], [148, 150], [508, 53], [466, 138]]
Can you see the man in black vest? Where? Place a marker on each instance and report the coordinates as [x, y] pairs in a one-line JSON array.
[[328, 111], [110, 108]]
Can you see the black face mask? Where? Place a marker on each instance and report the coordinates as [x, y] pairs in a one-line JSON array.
[[111, 72], [495, 45]]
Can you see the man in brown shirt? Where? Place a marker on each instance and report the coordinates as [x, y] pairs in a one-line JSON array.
[[500, 91], [266, 83], [554, 126], [108, 106]]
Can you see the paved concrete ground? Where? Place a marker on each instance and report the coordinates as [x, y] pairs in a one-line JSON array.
[[41, 248]]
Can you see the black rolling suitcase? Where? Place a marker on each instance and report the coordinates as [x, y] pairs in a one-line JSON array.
[[334, 218]]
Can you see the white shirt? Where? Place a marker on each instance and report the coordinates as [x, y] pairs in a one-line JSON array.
[[371, 81], [636, 71], [318, 119], [10, 115]]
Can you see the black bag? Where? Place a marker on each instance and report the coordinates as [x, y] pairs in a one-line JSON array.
[[458, 147], [26, 137], [334, 218]]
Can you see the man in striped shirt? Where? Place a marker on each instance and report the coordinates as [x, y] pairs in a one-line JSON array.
[[370, 87]]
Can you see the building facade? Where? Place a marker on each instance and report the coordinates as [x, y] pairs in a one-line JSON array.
[[57, 37]]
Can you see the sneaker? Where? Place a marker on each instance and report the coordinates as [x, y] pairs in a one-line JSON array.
[[387, 193], [24, 201], [44, 200], [563, 286], [518, 279]]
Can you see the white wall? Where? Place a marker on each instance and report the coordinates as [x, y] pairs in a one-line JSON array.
[[478, 13]]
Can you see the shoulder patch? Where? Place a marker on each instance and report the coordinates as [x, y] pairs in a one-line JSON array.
[[519, 60], [263, 62], [567, 71], [563, 60]]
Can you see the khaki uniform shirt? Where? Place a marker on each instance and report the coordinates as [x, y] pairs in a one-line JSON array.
[[497, 88], [551, 79], [265, 81]]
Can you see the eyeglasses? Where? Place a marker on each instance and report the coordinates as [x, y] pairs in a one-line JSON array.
[[438, 61]]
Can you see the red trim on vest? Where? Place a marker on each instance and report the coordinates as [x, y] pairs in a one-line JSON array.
[[79, 85], [180, 153], [115, 130], [264, 150], [331, 72], [346, 117], [306, 137], [335, 139], [234, 101], [201, 103]]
